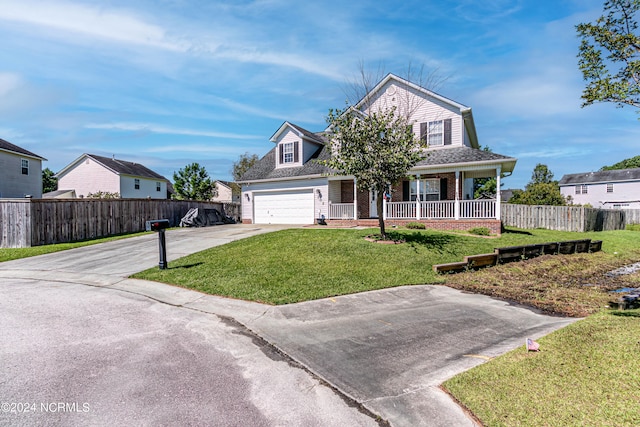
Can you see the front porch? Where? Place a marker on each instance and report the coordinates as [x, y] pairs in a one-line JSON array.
[[419, 210]]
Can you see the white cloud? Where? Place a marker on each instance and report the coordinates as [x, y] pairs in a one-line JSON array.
[[118, 26], [9, 82], [153, 128]]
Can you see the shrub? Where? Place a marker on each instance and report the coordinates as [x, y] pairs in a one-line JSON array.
[[416, 225], [480, 231]]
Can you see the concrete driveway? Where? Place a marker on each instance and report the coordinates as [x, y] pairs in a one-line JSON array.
[[388, 350]]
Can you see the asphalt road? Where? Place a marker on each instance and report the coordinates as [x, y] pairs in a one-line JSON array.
[[74, 329]]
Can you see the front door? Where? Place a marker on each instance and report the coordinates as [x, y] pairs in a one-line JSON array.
[[373, 205]]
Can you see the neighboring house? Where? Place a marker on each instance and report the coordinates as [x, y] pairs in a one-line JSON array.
[[288, 185], [20, 172], [614, 189], [60, 194], [90, 174], [225, 192]]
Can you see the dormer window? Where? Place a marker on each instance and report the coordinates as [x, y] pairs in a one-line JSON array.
[[289, 153]]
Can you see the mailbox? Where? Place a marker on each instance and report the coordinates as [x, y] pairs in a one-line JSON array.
[[157, 224]]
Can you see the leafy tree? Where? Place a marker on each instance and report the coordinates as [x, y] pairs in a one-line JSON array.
[[633, 162], [49, 181], [193, 183], [609, 55], [541, 190], [243, 164], [378, 149], [486, 188]]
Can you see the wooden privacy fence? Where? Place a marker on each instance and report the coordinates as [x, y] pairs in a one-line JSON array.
[[34, 222], [567, 218]]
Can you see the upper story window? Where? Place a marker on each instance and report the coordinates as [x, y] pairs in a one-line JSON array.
[[585, 189], [136, 184], [609, 188], [436, 133], [158, 186], [289, 152], [24, 163], [578, 189]]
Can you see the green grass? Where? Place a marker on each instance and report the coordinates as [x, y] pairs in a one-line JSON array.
[[8, 254], [303, 264], [587, 374]]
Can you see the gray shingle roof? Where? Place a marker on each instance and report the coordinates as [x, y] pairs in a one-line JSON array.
[[6, 145], [601, 176], [127, 168], [455, 155], [265, 169]]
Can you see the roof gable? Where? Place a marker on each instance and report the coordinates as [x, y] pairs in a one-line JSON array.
[[301, 132], [12, 148], [119, 167]]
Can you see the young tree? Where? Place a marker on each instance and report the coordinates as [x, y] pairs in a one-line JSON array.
[[243, 164], [378, 149], [541, 190], [609, 55], [193, 183], [486, 188], [49, 181]]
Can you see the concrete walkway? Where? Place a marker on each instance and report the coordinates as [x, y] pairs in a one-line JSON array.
[[388, 350]]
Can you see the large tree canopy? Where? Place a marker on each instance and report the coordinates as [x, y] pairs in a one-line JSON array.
[[633, 162], [193, 183], [243, 164], [609, 55], [541, 190], [49, 181], [378, 149]]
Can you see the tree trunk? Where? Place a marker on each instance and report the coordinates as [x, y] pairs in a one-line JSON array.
[[380, 214]]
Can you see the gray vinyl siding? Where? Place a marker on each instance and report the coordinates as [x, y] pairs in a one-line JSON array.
[[13, 184]]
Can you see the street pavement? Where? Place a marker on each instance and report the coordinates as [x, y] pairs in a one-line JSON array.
[[75, 329]]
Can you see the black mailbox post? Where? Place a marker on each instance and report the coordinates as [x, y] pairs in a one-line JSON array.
[[160, 225]]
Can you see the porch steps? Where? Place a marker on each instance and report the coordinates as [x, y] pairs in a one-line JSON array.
[[518, 253]]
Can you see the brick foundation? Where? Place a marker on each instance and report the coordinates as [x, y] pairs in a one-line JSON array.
[[247, 221]]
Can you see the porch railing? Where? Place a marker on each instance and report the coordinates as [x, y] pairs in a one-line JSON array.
[[443, 209], [341, 211], [477, 209]]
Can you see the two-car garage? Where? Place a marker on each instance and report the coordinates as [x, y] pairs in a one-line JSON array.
[[284, 207]]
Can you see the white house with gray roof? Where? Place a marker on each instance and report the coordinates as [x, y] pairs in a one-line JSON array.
[[90, 173], [289, 185], [614, 189], [20, 172]]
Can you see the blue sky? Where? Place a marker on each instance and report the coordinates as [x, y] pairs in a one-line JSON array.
[[170, 82]]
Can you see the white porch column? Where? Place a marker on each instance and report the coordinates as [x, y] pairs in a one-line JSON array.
[[384, 208], [418, 197], [498, 201], [355, 200], [457, 200]]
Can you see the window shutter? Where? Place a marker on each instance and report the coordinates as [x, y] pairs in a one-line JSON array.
[[423, 131], [296, 152], [447, 132], [405, 189], [443, 189], [281, 151]]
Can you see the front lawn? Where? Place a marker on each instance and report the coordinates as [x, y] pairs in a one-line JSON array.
[[587, 374], [303, 264]]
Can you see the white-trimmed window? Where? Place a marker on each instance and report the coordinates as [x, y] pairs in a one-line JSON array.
[[609, 188], [578, 189], [287, 152], [429, 189], [158, 186], [585, 189], [136, 183], [24, 164], [435, 132]]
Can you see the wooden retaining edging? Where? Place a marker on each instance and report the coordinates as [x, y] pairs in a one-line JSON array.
[[518, 253]]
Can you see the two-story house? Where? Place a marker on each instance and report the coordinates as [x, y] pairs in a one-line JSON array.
[[20, 172], [90, 173], [289, 185], [614, 189]]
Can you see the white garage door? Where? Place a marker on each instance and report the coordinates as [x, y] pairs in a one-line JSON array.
[[283, 207]]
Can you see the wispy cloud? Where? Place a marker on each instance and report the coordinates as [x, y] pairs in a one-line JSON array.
[[153, 128]]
